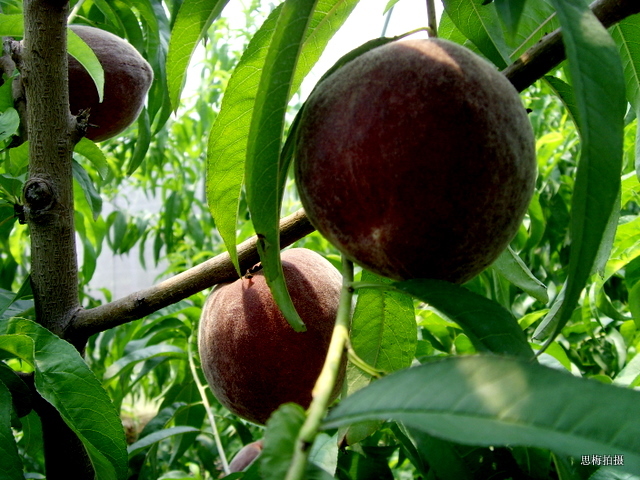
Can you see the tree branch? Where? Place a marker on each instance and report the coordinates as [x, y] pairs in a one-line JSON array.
[[216, 270], [531, 66], [48, 193], [549, 52]]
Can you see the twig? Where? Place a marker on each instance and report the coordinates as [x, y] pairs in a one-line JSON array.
[[205, 401], [432, 19], [327, 379], [549, 52], [216, 270]]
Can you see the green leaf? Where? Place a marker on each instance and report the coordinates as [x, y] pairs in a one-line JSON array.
[[480, 24], [226, 150], [383, 328], [495, 401], [82, 52], [11, 25], [20, 346], [511, 266], [156, 437], [227, 147], [66, 382], [142, 142], [262, 169], [598, 85], [626, 34], [510, 12], [565, 93], [92, 152], [127, 362], [9, 123], [193, 20], [488, 325], [279, 441], [86, 184], [11, 462], [20, 393], [19, 157]]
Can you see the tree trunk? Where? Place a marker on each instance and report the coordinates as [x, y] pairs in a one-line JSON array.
[[49, 210]]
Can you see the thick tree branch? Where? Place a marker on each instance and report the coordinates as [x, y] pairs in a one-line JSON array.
[[549, 52], [48, 194], [531, 66], [215, 270], [48, 207]]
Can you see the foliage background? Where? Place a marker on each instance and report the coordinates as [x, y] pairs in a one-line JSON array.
[[147, 367]]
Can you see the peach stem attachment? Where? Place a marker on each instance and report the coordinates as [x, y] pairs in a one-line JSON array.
[[327, 379]]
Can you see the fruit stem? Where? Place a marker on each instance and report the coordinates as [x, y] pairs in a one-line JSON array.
[[327, 379], [207, 406], [432, 19]]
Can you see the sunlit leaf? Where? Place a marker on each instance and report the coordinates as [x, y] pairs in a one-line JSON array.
[[92, 152], [9, 122], [227, 147], [82, 52], [193, 20], [86, 184], [480, 24], [494, 401], [11, 25], [383, 328], [511, 266], [262, 171]]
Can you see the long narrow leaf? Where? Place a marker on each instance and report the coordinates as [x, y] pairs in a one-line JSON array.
[[490, 327], [263, 168], [511, 266], [481, 25], [495, 401], [598, 84], [627, 37], [193, 20], [227, 148], [82, 52]]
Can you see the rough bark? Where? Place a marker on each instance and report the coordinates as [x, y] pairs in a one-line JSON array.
[[549, 52], [48, 206], [48, 193]]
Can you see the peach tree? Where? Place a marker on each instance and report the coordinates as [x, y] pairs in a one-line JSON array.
[[527, 370]]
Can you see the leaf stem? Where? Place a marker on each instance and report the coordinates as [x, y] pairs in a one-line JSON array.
[[207, 406], [327, 379]]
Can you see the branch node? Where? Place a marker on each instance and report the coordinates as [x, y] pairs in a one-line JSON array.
[[39, 198]]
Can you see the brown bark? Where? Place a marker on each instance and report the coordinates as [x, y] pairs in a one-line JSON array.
[[48, 208], [48, 194], [215, 270], [549, 52]]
